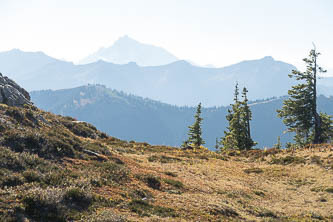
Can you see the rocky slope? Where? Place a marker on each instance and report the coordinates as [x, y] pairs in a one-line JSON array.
[[12, 94]]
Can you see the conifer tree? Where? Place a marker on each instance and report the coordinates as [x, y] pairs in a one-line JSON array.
[[195, 130], [278, 145], [299, 112], [246, 118], [232, 136], [326, 128], [217, 145], [238, 135]]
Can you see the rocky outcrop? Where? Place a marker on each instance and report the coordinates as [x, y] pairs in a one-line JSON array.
[[12, 94]]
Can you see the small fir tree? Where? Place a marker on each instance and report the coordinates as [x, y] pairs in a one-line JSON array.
[[195, 130], [217, 145], [278, 145], [185, 144]]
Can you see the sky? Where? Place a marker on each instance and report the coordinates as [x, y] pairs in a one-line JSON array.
[[217, 32]]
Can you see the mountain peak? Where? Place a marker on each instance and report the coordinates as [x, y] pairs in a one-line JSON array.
[[268, 58], [15, 50], [126, 50], [181, 63], [125, 39]]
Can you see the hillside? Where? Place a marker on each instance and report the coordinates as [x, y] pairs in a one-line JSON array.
[[177, 83], [126, 50], [135, 118], [55, 168]]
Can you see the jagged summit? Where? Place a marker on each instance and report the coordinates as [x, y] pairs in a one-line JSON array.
[[268, 58], [126, 39], [11, 93], [126, 50]]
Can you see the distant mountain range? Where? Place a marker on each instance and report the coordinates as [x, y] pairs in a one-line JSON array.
[[175, 82], [178, 83], [135, 118], [126, 50]]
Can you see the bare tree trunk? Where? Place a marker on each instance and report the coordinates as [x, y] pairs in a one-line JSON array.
[[317, 122]]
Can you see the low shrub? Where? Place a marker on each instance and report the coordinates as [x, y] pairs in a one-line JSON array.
[[45, 146], [259, 193], [174, 183], [112, 172], [19, 161], [164, 211], [329, 190], [45, 205], [141, 194], [98, 148], [172, 174], [223, 211], [55, 204], [288, 160], [143, 208], [153, 182], [84, 130], [317, 160], [16, 114], [254, 170], [77, 198], [163, 159], [266, 213], [32, 176], [12, 180], [106, 215]]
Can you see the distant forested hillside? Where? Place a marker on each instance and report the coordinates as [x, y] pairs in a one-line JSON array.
[[178, 83], [135, 118]]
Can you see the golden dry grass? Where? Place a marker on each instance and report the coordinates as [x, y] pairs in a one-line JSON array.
[[277, 192], [130, 181]]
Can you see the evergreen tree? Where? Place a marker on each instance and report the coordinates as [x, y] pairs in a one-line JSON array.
[[299, 112], [217, 145], [195, 130], [185, 144], [246, 118], [232, 136], [238, 135], [278, 145], [326, 128]]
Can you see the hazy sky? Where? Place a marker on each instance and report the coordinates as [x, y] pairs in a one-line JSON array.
[[214, 32]]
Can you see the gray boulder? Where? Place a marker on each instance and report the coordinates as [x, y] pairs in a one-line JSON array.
[[12, 94]]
